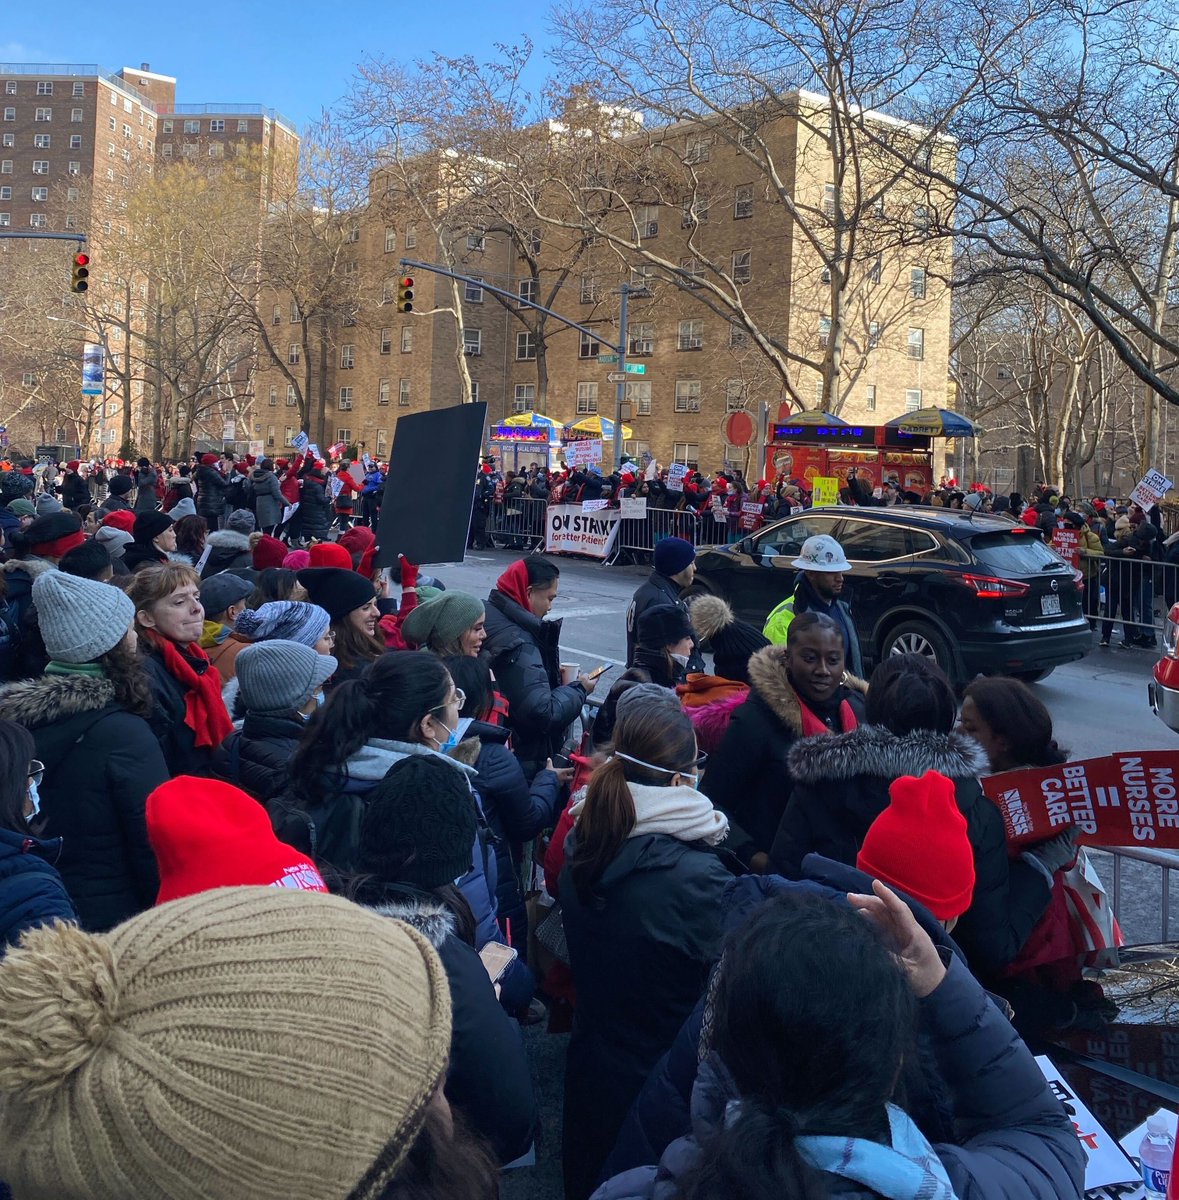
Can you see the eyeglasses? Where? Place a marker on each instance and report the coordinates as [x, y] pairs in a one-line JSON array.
[[460, 699], [36, 771]]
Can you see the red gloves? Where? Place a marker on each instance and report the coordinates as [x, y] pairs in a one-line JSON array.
[[409, 573]]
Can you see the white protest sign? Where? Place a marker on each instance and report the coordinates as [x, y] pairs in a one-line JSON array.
[[300, 441], [594, 505], [675, 477], [1106, 1162], [633, 508], [568, 530], [337, 486], [582, 453], [1153, 486], [313, 450], [367, 461]]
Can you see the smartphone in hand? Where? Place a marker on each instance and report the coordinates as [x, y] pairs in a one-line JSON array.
[[496, 959]]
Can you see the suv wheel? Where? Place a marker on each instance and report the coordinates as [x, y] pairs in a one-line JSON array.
[[915, 637]]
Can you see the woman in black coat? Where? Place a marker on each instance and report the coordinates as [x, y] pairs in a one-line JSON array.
[[31, 890], [795, 691], [211, 485], [315, 508], [146, 480], [87, 715], [840, 786]]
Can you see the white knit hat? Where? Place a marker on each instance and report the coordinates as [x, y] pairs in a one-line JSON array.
[[80, 619]]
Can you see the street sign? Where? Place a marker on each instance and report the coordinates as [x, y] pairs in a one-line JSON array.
[[617, 377], [607, 358], [635, 369]]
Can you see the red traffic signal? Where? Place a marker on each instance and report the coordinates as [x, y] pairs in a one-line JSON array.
[[80, 273], [405, 294]]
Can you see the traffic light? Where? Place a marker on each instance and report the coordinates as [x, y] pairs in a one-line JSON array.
[[405, 294], [80, 273]]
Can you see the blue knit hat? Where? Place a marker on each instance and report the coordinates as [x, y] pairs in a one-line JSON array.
[[672, 555], [290, 620]]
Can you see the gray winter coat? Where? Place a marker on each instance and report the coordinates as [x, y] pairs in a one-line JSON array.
[[268, 500]]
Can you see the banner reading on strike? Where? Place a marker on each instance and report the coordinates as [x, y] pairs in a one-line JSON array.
[[569, 530], [1120, 800]]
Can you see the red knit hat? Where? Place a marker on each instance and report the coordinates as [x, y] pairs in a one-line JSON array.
[[208, 460], [919, 844], [208, 834], [330, 554], [269, 552], [122, 518], [73, 465]]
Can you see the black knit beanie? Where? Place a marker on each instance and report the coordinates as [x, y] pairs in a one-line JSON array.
[[419, 827]]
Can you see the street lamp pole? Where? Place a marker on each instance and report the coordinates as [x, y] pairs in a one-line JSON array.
[[620, 387]]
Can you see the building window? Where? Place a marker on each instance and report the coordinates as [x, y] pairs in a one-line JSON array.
[[294, 353], [5, 219], [70, 221], [873, 334], [472, 292], [743, 202], [477, 240], [525, 346], [383, 392], [112, 123], [44, 87], [686, 452], [382, 442], [591, 289], [406, 339], [217, 150], [742, 266], [344, 435], [824, 331], [641, 278], [642, 339], [690, 335], [638, 393], [72, 194], [916, 343], [648, 221], [695, 212], [40, 166], [276, 315], [79, 89], [736, 393], [5, 193], [747, 139], [75, 116], [166, 149], [41, 221], [75, 141], [917, 283], [345, 398], [411, 236], [74, 168], [587, 399], [386, 340], [269, 435], [588, 347], [524, 398], [40, 193], [875, 269], [8, 140], [692, 272], [1002, 371], [390, 239], [10, 114], [921, 218], [870, 397], [527, 289], [403, 393], [167, 127], [698, 149], [192, 126], [912, 399], [43, 114], [216, 126], [41, 141], [189, 149], [738, 337], [292, 398], [10, 87], [272, 398], [473, 342], [347, 357], [474, 391], [687, 395]]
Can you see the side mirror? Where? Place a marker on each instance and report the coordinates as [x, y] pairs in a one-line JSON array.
[[747, 547]]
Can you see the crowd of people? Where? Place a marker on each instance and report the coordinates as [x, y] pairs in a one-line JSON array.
[[273, 825]]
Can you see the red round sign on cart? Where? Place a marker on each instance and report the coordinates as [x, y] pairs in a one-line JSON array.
[[739, 429], [785, 410]]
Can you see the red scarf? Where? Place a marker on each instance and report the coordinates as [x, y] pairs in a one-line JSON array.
[[514, 584], [812, 725], [204, 710]]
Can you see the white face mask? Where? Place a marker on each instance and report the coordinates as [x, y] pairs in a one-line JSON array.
[[682, 659], [662, 770], [35, 800]]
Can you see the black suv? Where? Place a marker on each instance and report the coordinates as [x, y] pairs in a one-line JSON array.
[[978, 594]]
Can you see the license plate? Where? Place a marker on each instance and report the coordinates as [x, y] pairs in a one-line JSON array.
[[1050, 606]]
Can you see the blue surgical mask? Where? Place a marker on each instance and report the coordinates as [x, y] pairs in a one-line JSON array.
[[451, 741], [35, 799]]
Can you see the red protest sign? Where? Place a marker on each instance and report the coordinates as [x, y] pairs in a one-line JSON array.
[[1067, 543], [1121, 800]]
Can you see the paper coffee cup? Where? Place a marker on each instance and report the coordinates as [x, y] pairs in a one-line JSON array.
[[570, 671]]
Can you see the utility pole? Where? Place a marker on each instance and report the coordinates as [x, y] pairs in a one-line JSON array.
[[620, 387]]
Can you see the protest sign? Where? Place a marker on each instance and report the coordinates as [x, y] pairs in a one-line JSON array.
[[356, 474], [582, 453], [1152, 487], [570, 531], [1106, 1162], [826, 490], [313, 450], [675, 477], [366, 461], [257, 449], [337, 448], [750, 516], [337, 486], [634, 508], [588, 506], [300, 441], [1122, 799], [1067, 543]]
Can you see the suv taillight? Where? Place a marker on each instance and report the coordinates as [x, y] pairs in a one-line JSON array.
[[1079, 579], [989, 587], [1171, 633]]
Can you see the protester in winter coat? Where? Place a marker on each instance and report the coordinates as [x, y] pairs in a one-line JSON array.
[[516, 811], [674, 563], [154, 538], [640, 896], [229, 548], [371, 495], [146, 480], [665, 643], [179, 488], [796, 1089], [351, 602], [523, 650], [188, 717], [280, 685], [796, 691], [119, 488], [1011, 723], [451, 624], [338, 1095], [268, 498], [75, 491], [223, 597], [315, 509], [416, 840], [87, 714], [211, 485], [31, 890]]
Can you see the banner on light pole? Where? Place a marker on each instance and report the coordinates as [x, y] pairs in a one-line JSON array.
[[93, 370]]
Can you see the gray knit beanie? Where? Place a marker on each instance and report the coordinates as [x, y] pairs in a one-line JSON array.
[[48, 504], [291, 620], [115, 540], [241, 520], [440, 623], [80, 619], [280, 677]]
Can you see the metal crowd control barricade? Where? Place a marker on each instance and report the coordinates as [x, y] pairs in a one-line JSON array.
[[1118, 866], [517, 524], [1131, 595], [637, 538]]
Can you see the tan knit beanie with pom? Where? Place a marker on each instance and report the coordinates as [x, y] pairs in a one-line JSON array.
[[240, 1044]]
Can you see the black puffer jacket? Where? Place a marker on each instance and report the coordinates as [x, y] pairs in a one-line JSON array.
[[175, 738], [749, 775], [523, 652], [228, 551], [487, 1079], [31, 890], [267, 495], [257, 757], [100, 764], [74, 490], [840, 786], [658, 589], [211, 485], [315, 508]]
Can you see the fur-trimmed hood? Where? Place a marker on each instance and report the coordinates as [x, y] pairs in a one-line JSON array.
[[770, 680], [432, 919], [873, 750], [229, 539], [49, 698], [32, 567]]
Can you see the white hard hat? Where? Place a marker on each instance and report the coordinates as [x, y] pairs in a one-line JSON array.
[[822, 553]]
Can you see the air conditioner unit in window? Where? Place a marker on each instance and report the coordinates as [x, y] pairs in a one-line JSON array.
[[651, 229], [639, 349], [472, 351], [691, 343], [693, 406]]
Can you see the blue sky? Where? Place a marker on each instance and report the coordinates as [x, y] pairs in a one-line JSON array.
[[297, 57]]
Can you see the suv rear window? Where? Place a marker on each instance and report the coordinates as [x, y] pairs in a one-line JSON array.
[[1013, 553]]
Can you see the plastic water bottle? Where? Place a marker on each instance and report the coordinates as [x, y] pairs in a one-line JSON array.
[[1155, 1155]]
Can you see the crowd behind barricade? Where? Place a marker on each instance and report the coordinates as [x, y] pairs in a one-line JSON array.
[[291, 848]]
